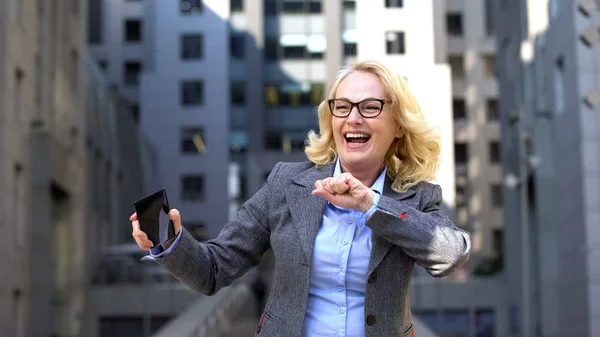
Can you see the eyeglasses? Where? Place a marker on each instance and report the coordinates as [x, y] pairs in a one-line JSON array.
[[368, 108]]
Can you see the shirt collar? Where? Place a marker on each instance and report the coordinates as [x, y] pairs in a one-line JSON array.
[[377, 185]]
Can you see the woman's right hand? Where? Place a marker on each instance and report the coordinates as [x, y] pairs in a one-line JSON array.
[[142, 239]]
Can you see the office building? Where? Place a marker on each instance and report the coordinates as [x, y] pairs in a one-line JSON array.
[[471, 53], [169, 60], [550, 90]]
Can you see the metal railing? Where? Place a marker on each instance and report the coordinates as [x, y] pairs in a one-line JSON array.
[[211, 316]]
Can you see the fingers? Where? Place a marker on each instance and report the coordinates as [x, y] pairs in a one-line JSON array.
[[176, 218], [323, 194], [142, 239], [139, 236], [337, 185], [340, 185]]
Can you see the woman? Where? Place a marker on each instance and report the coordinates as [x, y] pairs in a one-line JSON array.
[[346, 228]]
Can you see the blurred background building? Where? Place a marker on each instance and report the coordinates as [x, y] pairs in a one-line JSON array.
[[550, 99], [70, 163], [104, 101]]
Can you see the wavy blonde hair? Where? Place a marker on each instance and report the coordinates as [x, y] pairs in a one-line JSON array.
[[411, 159]]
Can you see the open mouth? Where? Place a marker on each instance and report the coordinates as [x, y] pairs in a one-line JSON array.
[[357, 138]]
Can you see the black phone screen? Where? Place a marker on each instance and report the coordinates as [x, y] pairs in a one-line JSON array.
[[152, 212]]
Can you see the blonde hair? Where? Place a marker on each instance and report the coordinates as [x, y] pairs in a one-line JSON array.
[[412, 158]]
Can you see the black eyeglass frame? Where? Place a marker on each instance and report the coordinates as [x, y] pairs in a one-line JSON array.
[[353, 104]]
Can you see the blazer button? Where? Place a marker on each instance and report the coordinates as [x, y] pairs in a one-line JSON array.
[[370, 320], [372, 278]]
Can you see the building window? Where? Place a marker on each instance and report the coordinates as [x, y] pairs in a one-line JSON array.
[[461, 196], [489, 62], [135, 112], [238, 93], [237, 45], [192, 187], [350, 49], [131, 72], [291, 95], [317, 93], [133, 30], [192, 46], [103, 64], [18, 312], [271, 46], [457, 66], [459, 108], [293, 52], [461, 153], [238, 141], [496, 191], [498, 238], [393, 3], [301, 6], [490, 24], [192, 92], [192, 140], [191, 6], [314, 6], [19, 76], [284, 141], [270, 7], [237, 6], [95, 20], [492, 110], [18, 197], [197, 230], [271, 96], [292, 7], [349, 5], [454, 25], [295, 47], [485, 321], [559, 85], [74, 70], [395, 43], [494, 152], [273, 141]]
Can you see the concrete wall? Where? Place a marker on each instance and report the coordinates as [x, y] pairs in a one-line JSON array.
[[42, 170]]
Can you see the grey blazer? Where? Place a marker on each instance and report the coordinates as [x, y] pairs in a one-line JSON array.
[[284, 216]]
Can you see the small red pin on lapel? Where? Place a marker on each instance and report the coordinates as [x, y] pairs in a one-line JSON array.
[[403, 216]]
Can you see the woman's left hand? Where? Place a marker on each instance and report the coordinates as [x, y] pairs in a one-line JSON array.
[[345, 191]]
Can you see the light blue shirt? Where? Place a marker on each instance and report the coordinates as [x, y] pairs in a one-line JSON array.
[[336, 296]]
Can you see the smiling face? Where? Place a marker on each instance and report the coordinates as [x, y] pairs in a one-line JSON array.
[[362, 143]]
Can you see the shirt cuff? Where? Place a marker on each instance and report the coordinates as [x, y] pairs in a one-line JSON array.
[[374, 207], [159, 251]]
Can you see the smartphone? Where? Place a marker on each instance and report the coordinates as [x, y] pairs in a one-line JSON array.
[[153, 216]]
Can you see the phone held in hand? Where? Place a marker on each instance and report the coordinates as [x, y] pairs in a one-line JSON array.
[[153, 216]]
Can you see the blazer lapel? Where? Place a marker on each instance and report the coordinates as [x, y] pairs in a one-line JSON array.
[[380, 245], [307, 209]]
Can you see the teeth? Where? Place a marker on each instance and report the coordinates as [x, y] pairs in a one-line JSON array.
[[357, 135]]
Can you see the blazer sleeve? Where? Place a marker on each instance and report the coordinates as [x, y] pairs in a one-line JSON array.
[[428, 236], [208, 267]]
